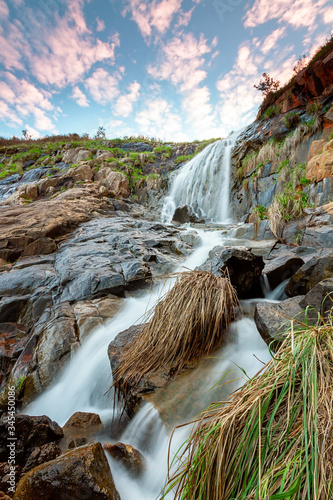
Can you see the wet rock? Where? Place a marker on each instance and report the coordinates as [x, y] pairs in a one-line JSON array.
[[148, 383], [273, 320], [11, 308], [243, 266], [40, 455], [128, 456], [57, 341], [92, 313], [281, 269], [13, 338], [185, 214], [3, 496], [83, 423], [312, 272], [31, 432], [8, 472], [80, 473], [320, 297]]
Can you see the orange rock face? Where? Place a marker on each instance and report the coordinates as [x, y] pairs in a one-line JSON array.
[[321, 165]]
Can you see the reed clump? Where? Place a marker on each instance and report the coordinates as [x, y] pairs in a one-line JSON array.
[[273, 439], [189, 322]]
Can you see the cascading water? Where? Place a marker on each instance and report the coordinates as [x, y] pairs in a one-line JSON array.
[[86, 379], [203, 183]]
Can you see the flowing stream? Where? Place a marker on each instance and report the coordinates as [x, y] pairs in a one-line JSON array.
[[83, 385], [203, 183]]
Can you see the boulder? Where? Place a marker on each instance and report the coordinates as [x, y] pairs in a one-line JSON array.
[[28, 192], [24, 224], [92, 313], [9, 476], [148, 383], [116, 182], [320, 297], [75, 155], [185, 214], [273, 319], [81, 173], [312, 272], [243, 266], [80, 473], [281, 269], [31, 432], [40, 455], [83, 424], [128, 456]]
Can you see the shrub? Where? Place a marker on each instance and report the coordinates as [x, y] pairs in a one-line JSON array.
[[270, 112], [261, 212], [165, 150], [291, 120], [183, 158], [314, 108]]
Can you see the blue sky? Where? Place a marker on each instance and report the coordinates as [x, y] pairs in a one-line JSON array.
[[173, 69]]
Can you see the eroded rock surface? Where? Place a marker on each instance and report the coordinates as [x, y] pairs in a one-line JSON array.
[[243, 266], [80, 473]]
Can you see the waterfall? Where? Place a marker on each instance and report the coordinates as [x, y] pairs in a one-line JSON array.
[[203, 183], [86, 379]]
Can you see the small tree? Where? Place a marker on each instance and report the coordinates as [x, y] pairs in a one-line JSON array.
[[267, 85], [300, 64], [25, 134], [100, 134]]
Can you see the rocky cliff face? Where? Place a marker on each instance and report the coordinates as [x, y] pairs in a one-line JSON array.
[[294, 141]]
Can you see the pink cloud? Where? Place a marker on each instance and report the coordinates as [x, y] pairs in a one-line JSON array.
[[182, 61], [100, 25], [9, 114], [158, 119], [21, 98], [270, 41], [4, 11], [300, 13], [102, 86], [157, 15], [58, 51], [80, 97], [124, 104]]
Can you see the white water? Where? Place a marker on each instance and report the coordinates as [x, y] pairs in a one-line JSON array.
[[83, 383], [204, 183], [86, 378], [147, 433]]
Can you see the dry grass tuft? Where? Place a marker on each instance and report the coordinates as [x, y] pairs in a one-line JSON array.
[[188, 323], [273, 438]]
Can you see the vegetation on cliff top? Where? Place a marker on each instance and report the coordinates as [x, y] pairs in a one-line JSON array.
[[269, 86]]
